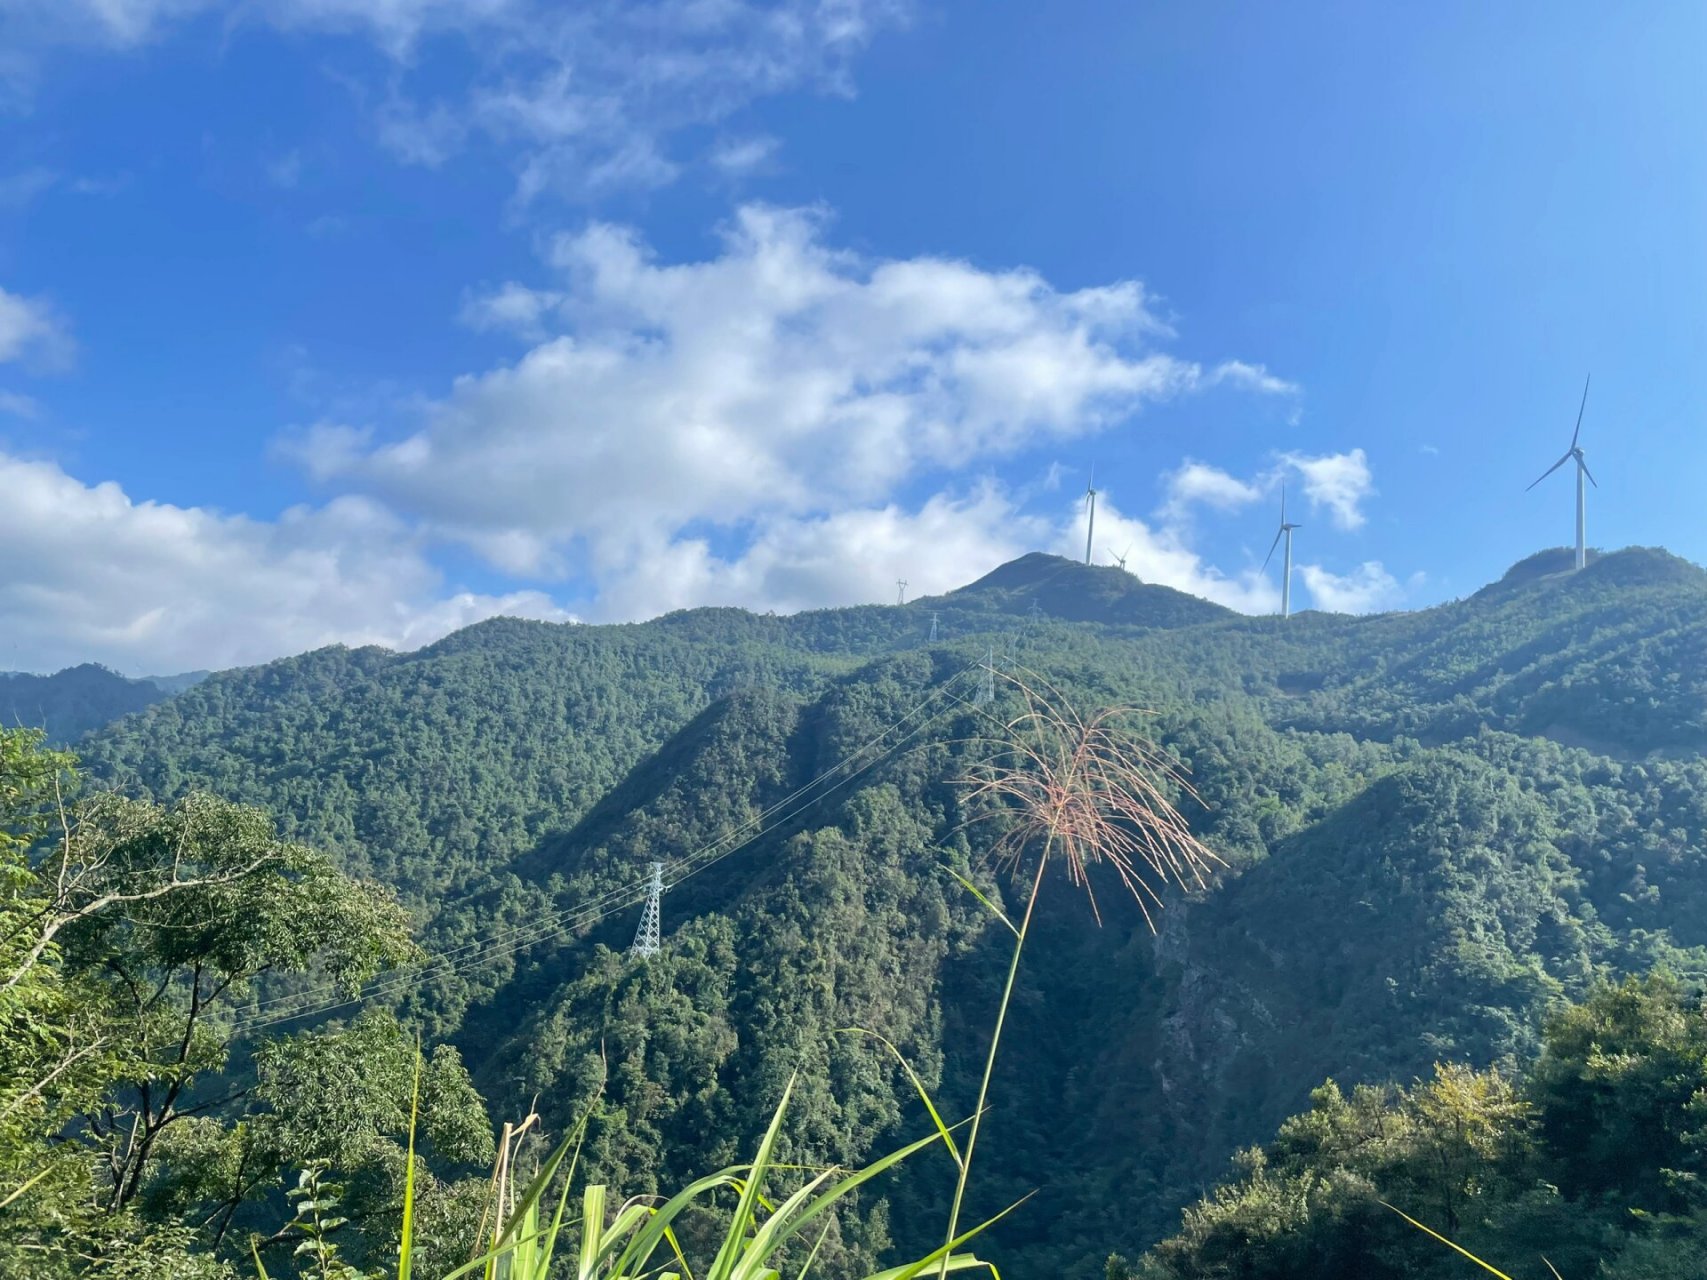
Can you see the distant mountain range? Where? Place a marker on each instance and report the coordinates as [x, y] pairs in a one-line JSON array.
[[69, 703], [1435, 824]]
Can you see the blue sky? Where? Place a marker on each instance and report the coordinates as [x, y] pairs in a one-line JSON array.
[[359, 320]]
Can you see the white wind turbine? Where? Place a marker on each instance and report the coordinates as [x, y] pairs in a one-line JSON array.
[[1091, 524], [1119, 560], [1575, 452], [1285, 532]]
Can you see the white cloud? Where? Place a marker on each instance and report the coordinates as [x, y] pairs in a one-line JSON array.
[[740, 157], [17, 405], [1338, 482], [121, 24], [110, 23], [1198, 483], [20, 189], [852, 556], [855, 556], [587, 94], [30, 329], [1366, 589], [512, 307], [1161, 553], [782, 378], [1253, 377], [285, 171], [395, 25], [90, 574]]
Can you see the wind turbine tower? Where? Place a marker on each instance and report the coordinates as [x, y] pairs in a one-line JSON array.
[[1575, 453], [1091, 524], [1286, 529]]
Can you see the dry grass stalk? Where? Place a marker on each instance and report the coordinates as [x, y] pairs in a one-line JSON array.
[[1088, 791]]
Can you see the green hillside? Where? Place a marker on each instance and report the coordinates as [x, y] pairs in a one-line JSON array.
[[1437, 825], [69, 703]]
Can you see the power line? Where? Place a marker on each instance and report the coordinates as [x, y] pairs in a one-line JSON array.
[[449, 963], [631, 893], [598, 908]]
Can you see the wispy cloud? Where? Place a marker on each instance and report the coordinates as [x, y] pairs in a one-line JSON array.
[[1199, 484], [742, 157], [1339, 483], [31, 330], [512, 307], [23, 188], [17, 405], [587, 96], [1253, 377], [1366, 589], [285, 171]]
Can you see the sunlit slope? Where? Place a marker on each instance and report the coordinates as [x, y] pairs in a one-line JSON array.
[[1417, 863]]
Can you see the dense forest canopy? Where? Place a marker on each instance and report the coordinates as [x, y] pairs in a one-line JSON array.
[[1436, 830]]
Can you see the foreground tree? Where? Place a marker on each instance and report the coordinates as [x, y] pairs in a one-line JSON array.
[[1591, 1165], [132, 935]]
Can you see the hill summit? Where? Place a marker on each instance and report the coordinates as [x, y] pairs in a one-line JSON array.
[[1075, 592]]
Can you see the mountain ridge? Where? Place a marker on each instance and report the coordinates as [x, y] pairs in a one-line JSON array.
[[1415, 867]]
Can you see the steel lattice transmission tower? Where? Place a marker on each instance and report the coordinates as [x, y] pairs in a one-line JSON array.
[[986, 683], [646, 941]]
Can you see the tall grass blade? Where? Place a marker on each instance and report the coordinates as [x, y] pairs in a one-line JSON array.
[[723, 1266], [511, 1235], [1456, 1248], [20, 1191], [640, 1249], [918, 1086], [979, 894], [945, 1259], [406, 1245], [592, 1229], [824, 1203]]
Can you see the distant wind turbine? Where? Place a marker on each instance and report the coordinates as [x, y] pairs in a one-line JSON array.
[[1091, 524], [1575, 452], [1285, 532], [1119, 560]]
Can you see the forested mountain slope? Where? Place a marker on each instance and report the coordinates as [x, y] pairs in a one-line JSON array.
[[1435, 825], [69, 703]]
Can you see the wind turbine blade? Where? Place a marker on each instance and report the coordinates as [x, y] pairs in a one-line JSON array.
[[1588, 473], [1273, 545], [1549, 471], [1580, 409]]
